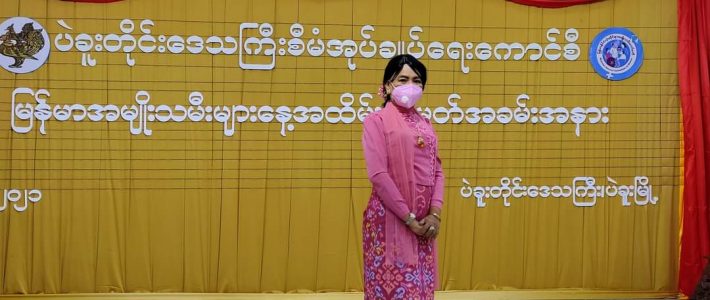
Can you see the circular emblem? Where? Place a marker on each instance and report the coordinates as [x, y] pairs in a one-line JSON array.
[[24, 45], [616, 53]]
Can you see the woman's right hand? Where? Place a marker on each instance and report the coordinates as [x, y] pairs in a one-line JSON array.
[[417, 228]]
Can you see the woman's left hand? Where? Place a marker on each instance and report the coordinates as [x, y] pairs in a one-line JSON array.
[[430, 222]]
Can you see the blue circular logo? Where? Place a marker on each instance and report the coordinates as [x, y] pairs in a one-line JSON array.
[[616, 53]]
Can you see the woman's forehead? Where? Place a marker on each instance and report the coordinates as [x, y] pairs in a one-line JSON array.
[[408, 72]]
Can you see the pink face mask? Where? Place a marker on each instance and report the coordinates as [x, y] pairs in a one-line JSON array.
[[407, 95]]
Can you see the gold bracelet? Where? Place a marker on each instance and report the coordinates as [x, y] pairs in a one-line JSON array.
[[436, 216]]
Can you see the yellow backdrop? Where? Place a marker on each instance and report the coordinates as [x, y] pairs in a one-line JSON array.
[[232, 167]]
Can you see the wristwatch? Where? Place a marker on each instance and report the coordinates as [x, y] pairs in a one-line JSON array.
[[410, 218]]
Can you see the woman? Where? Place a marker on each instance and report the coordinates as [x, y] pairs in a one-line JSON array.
[[403, 216]]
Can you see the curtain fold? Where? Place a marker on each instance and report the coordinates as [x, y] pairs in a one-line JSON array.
[[553, 3], [93, 1], [694, 79]]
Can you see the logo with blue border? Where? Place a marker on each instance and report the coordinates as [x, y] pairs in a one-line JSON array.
[[616, 53]]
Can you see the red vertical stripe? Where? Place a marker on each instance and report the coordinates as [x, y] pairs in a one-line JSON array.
[[694, 79]]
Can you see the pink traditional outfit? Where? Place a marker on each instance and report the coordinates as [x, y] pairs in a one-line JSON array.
[[406, 177]]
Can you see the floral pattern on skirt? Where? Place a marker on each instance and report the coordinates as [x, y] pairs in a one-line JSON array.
[[399, 281]]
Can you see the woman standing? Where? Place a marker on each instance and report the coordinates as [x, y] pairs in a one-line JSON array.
[[402, 218]]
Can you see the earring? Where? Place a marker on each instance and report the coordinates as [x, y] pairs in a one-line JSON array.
[[381, 92]]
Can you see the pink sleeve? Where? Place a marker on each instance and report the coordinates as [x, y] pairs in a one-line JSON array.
[[437, 198], [373, 144]]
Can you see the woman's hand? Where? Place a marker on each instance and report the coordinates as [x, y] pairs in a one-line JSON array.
[[417, 228], [429, 222]]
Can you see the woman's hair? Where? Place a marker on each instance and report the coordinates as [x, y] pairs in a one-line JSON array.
[[395, 66]]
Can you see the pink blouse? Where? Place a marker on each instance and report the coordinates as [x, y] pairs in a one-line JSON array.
[[427, 165]]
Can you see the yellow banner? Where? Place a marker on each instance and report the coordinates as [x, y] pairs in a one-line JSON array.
[[214, 146]]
